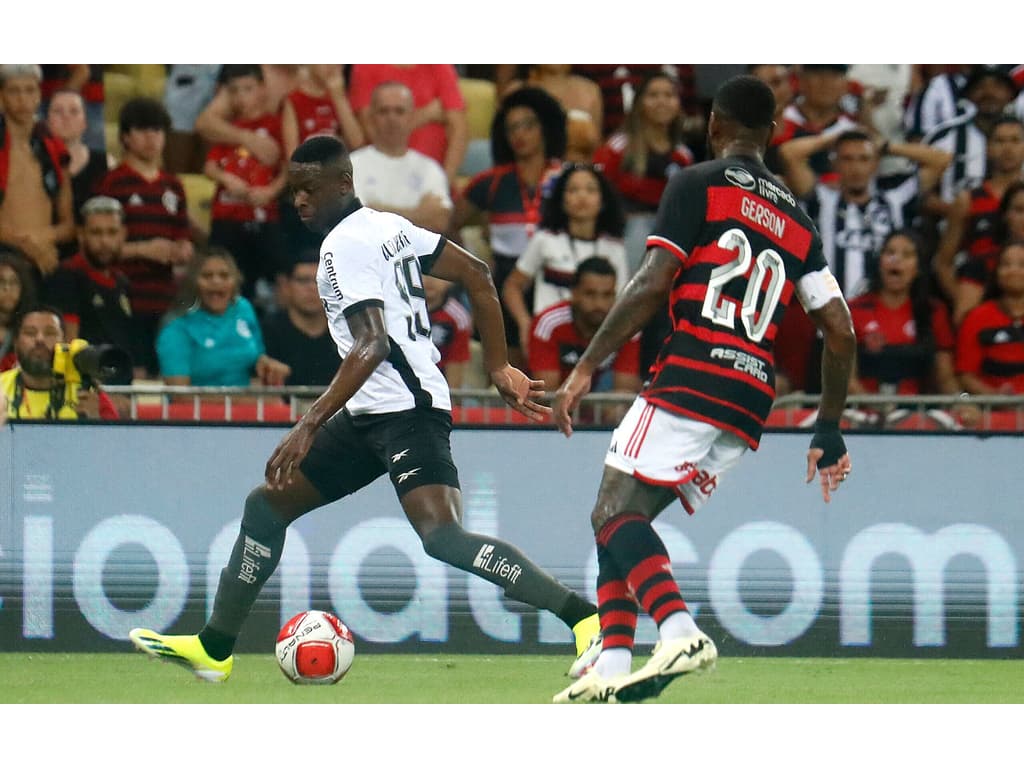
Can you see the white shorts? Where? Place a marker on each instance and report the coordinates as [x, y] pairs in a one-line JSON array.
[[658, 447]]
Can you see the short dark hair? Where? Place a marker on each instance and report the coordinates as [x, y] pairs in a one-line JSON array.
[[1005, 120], [611, 219], [230, 72], [595, 265], [321, 150], [853, 135], [143, 112], [19, 319], [746, 100]]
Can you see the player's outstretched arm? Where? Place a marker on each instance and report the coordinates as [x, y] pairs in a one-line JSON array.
[[828, 452], [515, 387], [635, 306], [370, 348]]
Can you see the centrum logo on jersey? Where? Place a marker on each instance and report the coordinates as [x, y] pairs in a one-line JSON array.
[[485, 561], [332, 276], [741, 177]]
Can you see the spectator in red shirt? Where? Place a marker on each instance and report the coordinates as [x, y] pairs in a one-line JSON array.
[[451, 327], [976, 272], [319, 106], [990, 344], [560, 334], [244, 217], [156, 217], [639, 159], [441, 130], [905, 341], [17, 291]]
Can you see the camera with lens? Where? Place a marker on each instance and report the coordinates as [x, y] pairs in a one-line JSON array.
[[79, 362]]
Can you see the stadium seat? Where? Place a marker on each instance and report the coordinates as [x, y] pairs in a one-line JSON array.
[[481, 102], [481, 99], [199, 191], [118, 88], [112, 131]]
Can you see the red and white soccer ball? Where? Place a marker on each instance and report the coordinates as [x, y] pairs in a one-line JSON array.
[[315, 648]]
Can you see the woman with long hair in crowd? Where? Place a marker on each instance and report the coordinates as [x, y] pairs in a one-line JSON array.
[[582, 217], [990, 343], [977, 272], [905, 342], [17, 292], [527, 143], [639, 159], [217, 341]]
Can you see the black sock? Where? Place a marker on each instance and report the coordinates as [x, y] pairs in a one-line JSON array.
[[253, 559], [502, 564], [217, 644]]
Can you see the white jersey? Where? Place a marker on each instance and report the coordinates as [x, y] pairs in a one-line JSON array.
[[373, 258], [551, 259]]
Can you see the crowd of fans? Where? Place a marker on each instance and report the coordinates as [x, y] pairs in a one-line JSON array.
[[913, 174]]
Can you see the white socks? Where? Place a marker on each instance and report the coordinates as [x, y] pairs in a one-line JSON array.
[[614, 662], [679, 624]]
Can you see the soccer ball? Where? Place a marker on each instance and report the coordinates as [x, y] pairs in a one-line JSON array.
[[315, 648]]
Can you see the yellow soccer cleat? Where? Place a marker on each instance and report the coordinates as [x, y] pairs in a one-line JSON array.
[[185, 650], [588, 645]]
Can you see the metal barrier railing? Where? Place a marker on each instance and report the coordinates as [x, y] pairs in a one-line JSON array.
[[157, 402]]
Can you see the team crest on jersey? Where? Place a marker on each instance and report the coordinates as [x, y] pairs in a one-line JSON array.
[[170, 201], [242, 329], [741, 177]]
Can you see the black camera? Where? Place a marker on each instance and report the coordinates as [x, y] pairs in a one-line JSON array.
[[78, 361]]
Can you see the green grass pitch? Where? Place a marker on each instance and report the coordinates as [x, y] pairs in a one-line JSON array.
[[130, 677]]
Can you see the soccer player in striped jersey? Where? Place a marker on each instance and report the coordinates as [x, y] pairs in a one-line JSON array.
[[387, 411], [729, 250]]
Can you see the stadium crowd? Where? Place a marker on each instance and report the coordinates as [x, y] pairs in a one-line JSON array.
[[147, 205]]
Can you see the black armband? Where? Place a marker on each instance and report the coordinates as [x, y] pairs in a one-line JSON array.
[[829, 439]]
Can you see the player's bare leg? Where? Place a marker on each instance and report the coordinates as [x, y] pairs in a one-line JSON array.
[[435, 512]]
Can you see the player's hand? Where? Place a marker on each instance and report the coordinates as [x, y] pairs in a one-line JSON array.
[[519, 391], [288, 456], [568, 397], [831, 476]]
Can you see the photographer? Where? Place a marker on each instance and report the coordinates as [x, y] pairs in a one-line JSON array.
[[37, 389]]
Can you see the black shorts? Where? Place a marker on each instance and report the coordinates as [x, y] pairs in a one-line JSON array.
[[350, 452]]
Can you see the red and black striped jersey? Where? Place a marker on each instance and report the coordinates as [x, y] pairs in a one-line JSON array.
[[979, 243], [990, 345], [892, 353], [152, 209], [744, 245]]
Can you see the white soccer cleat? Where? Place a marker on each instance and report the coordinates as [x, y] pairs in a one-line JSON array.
[[589, 688], [587, 659], [669, 661]]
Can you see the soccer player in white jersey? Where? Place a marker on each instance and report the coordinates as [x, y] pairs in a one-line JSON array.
[[387, 410]]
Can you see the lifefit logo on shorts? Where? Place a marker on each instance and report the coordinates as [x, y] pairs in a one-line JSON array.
[[399, 456], [485, 561], [406, 475], [251, 555]]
